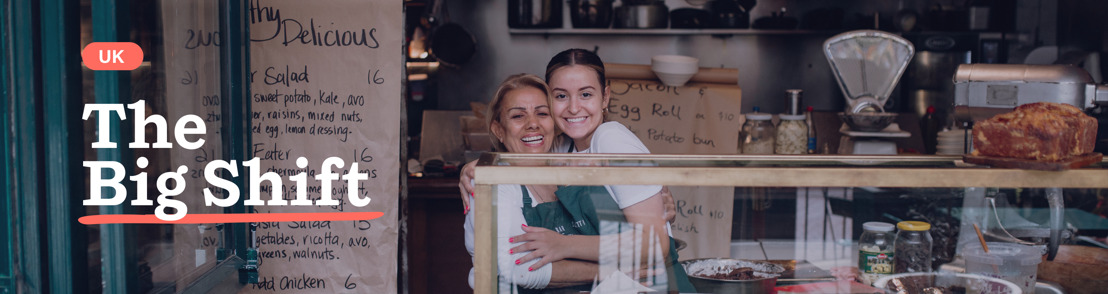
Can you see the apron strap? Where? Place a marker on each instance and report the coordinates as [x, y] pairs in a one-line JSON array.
[[526, 196]]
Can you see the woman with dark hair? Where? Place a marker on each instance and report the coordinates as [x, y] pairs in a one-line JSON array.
[[579, 101]]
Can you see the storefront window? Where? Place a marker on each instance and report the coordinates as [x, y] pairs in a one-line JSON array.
[[179, 76], [799, 217]]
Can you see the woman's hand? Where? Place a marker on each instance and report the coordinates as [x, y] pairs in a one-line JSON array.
[[465, 184], [546, 245]]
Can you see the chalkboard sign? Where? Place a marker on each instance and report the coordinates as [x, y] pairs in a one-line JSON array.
[[325, 80]]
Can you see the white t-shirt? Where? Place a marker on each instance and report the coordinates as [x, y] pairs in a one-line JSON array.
[[508, 224], [614, 137]]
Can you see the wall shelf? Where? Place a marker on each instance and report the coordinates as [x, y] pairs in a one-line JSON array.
[[612, 31]]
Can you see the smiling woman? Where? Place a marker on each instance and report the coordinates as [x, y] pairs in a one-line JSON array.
[[519, 117], [521, 123]]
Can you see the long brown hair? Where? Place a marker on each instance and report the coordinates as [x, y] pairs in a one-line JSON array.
[[513, 82]]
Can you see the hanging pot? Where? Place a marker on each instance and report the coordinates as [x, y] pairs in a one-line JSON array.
[[590, 13], [530, 14], [450, 43], [647, 16]]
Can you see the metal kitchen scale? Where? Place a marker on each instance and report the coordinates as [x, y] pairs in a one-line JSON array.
[[867, 65]]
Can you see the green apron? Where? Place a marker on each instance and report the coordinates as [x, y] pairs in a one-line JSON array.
[[579, 211]]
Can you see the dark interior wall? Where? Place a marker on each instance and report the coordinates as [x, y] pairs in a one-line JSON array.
[[1081, 24], [1082, 27]]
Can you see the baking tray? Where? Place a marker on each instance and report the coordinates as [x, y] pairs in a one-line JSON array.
[[1002, 162]]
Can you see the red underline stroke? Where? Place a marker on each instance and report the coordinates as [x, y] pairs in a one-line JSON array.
[[201, 218]]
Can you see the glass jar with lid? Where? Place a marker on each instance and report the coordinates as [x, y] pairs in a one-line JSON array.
[[758, 133], [875, 251], [912, 247], [792, 135]]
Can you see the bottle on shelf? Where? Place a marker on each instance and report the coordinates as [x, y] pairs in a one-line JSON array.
[[929, 129], [811, 131], [794, 97]]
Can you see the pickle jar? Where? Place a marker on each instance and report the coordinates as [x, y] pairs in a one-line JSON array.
[[792, 135], [912, 247], [875, 251], [758, 134]]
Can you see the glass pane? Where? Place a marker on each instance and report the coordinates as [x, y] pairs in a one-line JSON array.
[[179, 76], [617, 160], [796, 232], [192, 87]]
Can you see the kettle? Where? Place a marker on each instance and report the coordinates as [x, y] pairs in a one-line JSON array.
[[590, 13], [650, 15]]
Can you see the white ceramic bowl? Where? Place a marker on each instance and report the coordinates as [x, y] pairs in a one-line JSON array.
[[674, 80], [674, 70]]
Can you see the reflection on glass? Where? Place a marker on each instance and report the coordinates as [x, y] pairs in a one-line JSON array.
[[177, 78], [812, 232], [192, 82], [607, 252], [617, 160]]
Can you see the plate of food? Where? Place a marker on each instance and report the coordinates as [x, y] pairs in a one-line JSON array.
[[725, 275]]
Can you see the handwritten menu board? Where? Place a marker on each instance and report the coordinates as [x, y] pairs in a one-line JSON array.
[[697, 118], [192, 85], [325, 80]]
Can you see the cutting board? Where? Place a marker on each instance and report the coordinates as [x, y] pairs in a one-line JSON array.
[[1078, 269], [1003, 162]]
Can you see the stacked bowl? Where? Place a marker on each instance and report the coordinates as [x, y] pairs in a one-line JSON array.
[[674, 70], [951, 142]]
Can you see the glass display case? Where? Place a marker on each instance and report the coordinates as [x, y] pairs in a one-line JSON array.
[[941, 189]]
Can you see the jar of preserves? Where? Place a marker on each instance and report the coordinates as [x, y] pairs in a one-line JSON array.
[[758, 134], [792, 135], [912, 247], [875, 251]]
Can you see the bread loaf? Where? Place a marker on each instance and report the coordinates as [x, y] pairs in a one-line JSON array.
[[1041, 131]]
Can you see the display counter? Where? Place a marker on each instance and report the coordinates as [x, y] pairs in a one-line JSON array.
[[947, 178]]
